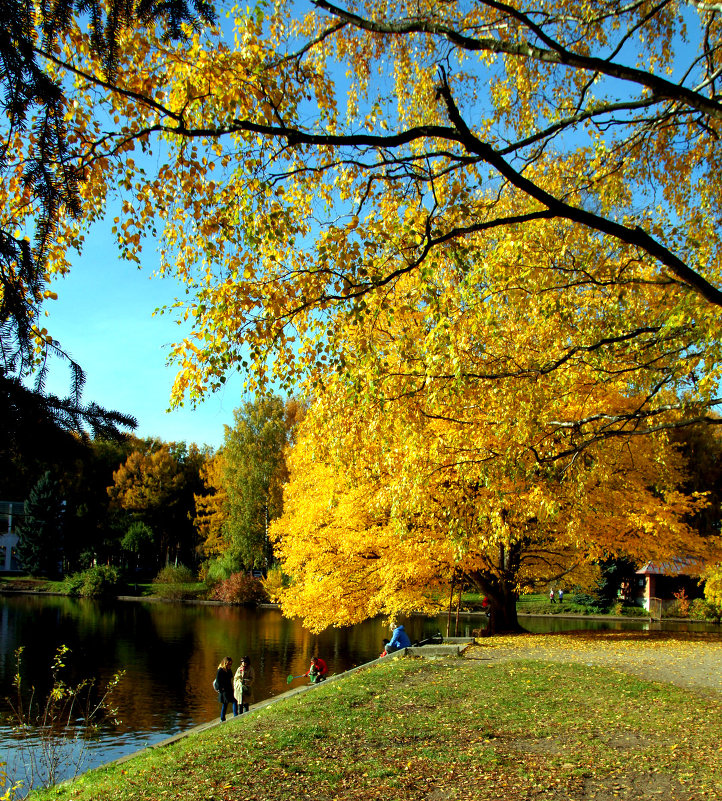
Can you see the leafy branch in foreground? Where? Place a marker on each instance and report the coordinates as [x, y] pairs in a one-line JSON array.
[[53, 731]]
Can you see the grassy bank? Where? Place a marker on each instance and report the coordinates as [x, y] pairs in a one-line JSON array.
[[441, 730]]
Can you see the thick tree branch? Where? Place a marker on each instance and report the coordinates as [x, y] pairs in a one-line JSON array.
[[659, 87], [636, 237]]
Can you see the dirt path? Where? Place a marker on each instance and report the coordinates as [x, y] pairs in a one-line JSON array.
[[688, 660]]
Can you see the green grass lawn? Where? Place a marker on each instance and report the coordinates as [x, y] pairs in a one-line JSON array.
[[442, 730]]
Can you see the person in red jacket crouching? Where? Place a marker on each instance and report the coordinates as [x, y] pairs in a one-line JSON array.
[[318, 670]]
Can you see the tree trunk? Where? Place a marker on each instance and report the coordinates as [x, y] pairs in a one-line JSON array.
[[502, 597], [502, 613]]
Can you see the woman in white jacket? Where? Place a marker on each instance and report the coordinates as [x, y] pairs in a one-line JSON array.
[[243, 684]]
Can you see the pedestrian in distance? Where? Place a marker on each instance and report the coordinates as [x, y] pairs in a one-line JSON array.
[[551, 596], [561, 595], [243, 684], [224, 686]]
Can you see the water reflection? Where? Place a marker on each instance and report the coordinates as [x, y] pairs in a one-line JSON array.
[[170, 652]]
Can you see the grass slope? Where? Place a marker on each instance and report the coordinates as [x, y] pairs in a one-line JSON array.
[[442, 730]]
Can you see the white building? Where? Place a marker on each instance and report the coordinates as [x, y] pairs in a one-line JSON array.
[[11, 512]]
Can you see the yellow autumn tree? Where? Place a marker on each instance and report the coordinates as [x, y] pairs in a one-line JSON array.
[[395, 492], [303, 166], [212, 507], [713, 585]]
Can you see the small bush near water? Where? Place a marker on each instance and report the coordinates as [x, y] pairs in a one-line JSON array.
[[240, 588], [698, 609], [95, 582], [174, 574], [175, 583], [52, 730], [273, 583]]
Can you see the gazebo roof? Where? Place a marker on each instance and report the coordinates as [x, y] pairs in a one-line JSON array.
[[677, 566]]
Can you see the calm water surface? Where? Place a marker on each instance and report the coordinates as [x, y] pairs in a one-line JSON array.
[[170, 653]]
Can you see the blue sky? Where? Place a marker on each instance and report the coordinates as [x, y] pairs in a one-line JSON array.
[[103, 319]]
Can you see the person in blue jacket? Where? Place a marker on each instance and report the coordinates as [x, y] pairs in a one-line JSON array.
[[399, 639]]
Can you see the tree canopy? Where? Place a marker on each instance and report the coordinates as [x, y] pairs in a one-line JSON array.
[[571, 151], [385, 510], [157, 484], [484, 235], [245, 483], [40, 532]]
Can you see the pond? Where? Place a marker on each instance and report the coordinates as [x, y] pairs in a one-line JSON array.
[[170, 652]]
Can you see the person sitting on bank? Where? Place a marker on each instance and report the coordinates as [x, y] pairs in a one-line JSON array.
[[243, 684], [399, 639], [318, 670]]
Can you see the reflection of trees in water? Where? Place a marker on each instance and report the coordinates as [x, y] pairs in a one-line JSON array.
[[170, 651]]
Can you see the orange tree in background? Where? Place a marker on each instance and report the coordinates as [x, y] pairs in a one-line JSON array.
[[212, 506], [499, 216], [156, 484]]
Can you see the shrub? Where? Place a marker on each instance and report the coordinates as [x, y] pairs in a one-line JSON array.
[[632, 610], [684, 602], [578, 609], [240, 588], [178, 592], [95, 582], [72, 584], [53, 730], [221, 568], [702, 609], [176, 583], [678, 608], [174, 574], [589, 602], [273, 583]]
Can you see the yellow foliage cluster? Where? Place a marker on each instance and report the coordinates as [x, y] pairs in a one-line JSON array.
[[418, 464], [212, 507], [713, 585], [299, 170]]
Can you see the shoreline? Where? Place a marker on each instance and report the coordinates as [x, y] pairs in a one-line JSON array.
[[451, 646], [469, 613]]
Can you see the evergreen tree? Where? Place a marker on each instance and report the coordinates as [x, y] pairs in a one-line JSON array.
[[40, 532]]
